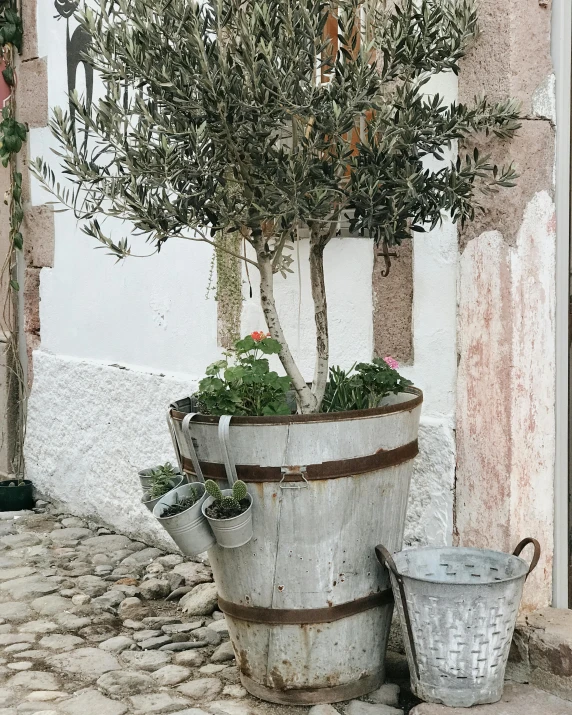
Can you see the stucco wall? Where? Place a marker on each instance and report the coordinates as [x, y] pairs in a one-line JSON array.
[[92, 425]]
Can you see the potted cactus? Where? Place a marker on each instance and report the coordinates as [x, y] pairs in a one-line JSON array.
[[179, 513], [229, 513], [249, 125]]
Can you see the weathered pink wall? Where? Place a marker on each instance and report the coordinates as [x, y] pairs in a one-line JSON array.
[[506, 382]]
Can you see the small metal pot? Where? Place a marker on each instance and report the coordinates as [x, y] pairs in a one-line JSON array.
[[231, 533], [189, 529], [150, 503], [146, 478]]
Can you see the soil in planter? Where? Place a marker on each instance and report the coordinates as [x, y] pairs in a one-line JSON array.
[[221, 511], [178, 507]]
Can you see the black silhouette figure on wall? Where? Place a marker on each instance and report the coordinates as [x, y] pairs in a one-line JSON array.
[[76, 46]]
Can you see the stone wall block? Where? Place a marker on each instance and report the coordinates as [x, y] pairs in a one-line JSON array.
[[512, 54], [532, 153], [38, 230], [32, 93], [393, 305], [32, 343], [29, 21], [32, 300], [542, 651]]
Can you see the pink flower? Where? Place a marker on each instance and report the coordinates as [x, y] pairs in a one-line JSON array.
[[257, 336], [393, 364]]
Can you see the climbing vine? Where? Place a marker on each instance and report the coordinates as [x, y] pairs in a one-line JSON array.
[[13, 134]]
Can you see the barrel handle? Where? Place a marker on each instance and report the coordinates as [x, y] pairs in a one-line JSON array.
[[386, 560], [536, 556]]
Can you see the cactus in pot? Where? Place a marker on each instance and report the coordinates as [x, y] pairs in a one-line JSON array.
[[229, 505]]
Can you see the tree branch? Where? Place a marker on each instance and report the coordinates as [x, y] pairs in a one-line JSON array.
[[317, 246], [307, 402]]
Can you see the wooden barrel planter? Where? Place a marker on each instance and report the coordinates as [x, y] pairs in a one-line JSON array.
[[308, 606]]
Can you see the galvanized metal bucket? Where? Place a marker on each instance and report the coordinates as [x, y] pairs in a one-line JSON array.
[[458, 609], [230, 533], [189, 529]]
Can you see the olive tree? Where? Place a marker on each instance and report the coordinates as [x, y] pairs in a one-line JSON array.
[[250, 117]]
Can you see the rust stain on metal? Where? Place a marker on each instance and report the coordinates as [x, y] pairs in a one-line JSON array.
[[243, 664], [277, 679]]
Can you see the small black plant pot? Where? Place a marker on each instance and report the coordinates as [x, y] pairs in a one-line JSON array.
[[16, 498]]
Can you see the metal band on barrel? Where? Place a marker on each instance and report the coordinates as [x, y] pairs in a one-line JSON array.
[[383, 459], [304, 616]]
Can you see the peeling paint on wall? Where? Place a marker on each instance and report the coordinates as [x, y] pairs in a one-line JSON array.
[[506, 392]]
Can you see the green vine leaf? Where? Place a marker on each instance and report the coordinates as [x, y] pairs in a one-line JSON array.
[[14, 285], [18, 240]]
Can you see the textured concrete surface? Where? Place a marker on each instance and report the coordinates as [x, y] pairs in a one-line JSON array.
[[91, 428], [517, 700], [430, 507]]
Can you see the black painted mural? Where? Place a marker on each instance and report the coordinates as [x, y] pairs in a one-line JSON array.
[[76, 46]]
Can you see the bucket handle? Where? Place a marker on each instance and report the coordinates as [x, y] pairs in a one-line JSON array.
[[175, 443], [386, 559], [186, 430], [536, 556]]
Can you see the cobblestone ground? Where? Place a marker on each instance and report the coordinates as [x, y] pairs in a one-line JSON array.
[[93, 623]]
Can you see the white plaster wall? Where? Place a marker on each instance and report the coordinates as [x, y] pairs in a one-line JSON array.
[[92, 425]]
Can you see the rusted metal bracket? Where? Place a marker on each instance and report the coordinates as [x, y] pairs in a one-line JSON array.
[[298, 473]]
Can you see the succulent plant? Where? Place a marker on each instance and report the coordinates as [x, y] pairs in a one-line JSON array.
[[180, 505], [162, 481]]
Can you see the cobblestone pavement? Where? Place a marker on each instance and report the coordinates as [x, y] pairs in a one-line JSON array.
[[93, 623]]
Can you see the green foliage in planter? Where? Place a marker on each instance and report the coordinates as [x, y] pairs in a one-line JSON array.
[[362, 387], [241, 116], [242, 383], [226, 507], [180, 505]]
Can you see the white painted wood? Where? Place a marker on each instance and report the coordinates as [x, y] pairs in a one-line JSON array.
[[313, 547]]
